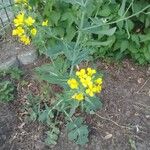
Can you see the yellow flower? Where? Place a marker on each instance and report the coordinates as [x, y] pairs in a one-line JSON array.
[[29, 21], [78, 96], [33, 31], [18, 31], [81, 73], [98, 88], [45, 23], [73, 83], [86, 81], [98, 81], [93, 89], [91, 71], [25, 39], [89, 92], [14, 32], [19, 20]]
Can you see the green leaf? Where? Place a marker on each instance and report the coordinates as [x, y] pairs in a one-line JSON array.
[[146, 52], [122, 8], [6, 91], [75, 56], [124, 45], [33, 2], [58, 32], [90, 8], [144, 38], [100, 31], [135, 38], [98, 43], [51, 138], [92, 104], [77, 131], [70, 33], [129, 25], [120, 24], [54, 17], [73, 2], [69, 16], [105, 11], [51, 74], [74, 106]]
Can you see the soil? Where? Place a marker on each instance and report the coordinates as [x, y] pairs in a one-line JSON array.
[[123, 123]]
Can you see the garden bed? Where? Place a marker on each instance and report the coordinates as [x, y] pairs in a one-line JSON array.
[[122, 123]]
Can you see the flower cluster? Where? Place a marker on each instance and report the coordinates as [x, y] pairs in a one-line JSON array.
[[24, 28], [86, 83]]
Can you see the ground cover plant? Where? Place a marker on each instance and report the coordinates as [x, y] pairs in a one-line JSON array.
[[70, 32], [7, 84]]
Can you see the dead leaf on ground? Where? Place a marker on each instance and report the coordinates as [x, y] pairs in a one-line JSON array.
[[108, 136]]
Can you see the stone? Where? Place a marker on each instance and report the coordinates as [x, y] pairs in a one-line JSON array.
[[12, 62], [27, 57]]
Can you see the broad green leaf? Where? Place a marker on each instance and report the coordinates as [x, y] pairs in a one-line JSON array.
[[100, 31], [90, 8], [144, 38], [135, 38], [92, 104], [98, 43], [122, 8], [146, 52], [69, 16], [54, 50], [54, 17], [105, 11], [77, 131], [75, 56], [120, 24], [129, 25], [51, 74], [97, 21], [124, 45], [51, 138], [59, 32], [70, 33]]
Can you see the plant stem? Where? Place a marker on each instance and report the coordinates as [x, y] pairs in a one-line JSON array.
[[122, 19], [128, 8], [78, 40]]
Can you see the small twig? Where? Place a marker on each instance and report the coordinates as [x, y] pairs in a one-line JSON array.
[[113, 122], [137, 92]]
